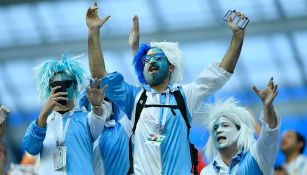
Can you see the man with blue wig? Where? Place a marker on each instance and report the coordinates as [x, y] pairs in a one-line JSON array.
[[62, 135], [232, 147], [160, 109]]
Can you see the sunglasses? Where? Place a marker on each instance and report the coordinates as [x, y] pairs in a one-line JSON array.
[[63, 84], [157, 56]]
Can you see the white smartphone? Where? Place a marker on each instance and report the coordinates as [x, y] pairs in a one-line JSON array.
[[241, 23]]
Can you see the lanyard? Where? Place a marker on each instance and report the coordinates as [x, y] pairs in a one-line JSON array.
[[60, 141], [163, 113]]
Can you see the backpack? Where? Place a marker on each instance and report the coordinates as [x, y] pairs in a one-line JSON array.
[[182, 107]]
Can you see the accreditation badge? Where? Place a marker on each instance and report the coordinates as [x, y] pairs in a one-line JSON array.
[[59, 158], [155, 139]]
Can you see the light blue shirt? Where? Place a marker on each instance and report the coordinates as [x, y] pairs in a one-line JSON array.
[[79, 142]]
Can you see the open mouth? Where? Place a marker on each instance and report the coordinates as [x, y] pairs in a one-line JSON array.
[[153, 69], [219, 138]]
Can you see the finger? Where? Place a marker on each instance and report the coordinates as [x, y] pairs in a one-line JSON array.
[[275, 94], [60, 94], [256, 90], [229, 20], [104, 89], [96, 82], [99, 82], [60, 98], [54, 89], [275, 88], [136, 23], [59, 105], [270, 82], [88, 12], [105, 19]]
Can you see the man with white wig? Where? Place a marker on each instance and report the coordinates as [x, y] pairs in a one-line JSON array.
[[232, 147], [160, 109]]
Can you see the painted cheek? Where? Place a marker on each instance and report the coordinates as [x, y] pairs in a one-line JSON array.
[[70, 93]]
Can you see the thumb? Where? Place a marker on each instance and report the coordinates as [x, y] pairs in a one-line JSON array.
[[256, 90], [104, 20]]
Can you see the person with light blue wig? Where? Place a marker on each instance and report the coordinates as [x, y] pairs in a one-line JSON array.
[[63, 135], [160, 109]]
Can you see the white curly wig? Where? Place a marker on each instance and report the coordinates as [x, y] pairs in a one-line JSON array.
[[207, 114], [174, 56]]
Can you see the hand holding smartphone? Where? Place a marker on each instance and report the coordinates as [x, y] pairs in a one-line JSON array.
[[236, 19]]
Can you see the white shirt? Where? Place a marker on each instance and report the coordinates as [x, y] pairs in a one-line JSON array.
[[297, 166]]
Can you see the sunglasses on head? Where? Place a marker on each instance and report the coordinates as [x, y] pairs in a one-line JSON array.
[[63, 84], [157, 56]]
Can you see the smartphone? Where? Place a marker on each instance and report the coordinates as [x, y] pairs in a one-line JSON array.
[[62, 89], [241, 23]]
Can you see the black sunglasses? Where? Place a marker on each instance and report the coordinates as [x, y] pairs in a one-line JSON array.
[[63, 84]]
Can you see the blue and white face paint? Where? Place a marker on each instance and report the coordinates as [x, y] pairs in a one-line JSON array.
[[66, 83], [156, 68], [225, 132]]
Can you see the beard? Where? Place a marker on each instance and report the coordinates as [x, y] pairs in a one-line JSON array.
[[157, 77]]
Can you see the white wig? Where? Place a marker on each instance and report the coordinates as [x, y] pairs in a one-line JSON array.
[[239, 115], [174, 56]]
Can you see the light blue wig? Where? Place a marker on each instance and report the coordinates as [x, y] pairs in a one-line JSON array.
[[45, 71]]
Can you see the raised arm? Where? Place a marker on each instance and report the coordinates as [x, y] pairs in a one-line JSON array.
[[134, 38], [267, 97], [232, 55], [265, 149], [96, 60]]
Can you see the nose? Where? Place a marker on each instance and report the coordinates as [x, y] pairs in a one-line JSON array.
[[152, 60], [218, 130]]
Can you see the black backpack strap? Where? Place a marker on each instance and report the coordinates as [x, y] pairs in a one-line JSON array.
[[139, 107], [193, 151]]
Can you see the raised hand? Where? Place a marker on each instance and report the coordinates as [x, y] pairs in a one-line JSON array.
[[134, 37], [268, 94], [95, 94], [51, 103], [92, 18], [235, 29]]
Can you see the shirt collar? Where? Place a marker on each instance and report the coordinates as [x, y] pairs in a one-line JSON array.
[[218, 163], [171, 88]]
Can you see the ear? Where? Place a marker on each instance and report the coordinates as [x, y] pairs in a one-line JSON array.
[[300, 145], [171, 68]]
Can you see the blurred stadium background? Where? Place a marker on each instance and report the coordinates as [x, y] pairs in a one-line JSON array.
[[275, 45]]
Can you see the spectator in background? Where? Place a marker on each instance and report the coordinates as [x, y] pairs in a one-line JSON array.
[[292, 146]]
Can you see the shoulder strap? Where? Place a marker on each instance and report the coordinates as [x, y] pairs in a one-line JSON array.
[[193, 151], [139, 107], [180, 102]]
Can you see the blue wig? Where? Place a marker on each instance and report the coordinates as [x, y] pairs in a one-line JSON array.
[[45, 71], [138, 63]]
